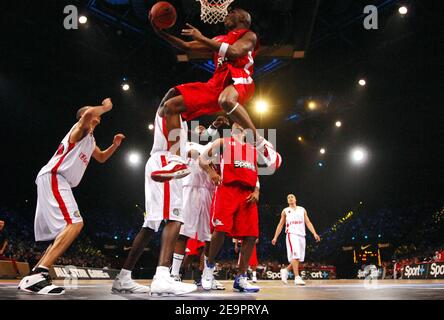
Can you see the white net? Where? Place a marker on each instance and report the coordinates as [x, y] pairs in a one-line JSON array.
[[214, 11]]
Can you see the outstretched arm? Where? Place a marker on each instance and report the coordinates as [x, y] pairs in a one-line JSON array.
[[180, 44], [84, 124], [279, 228], [103, 156], [311, 228], [239, 49]]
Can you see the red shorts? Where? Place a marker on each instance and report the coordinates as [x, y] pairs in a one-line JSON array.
[[232, 214], [193, 247], [202, 98]]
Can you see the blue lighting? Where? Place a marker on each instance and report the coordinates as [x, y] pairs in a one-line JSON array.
[[366, 237], [116, 237], [128, 238], [353, 238], [294, 117]]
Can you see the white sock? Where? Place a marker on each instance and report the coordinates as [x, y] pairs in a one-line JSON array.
[[254, 274], [177, 263], [162, 271], [125, 274]]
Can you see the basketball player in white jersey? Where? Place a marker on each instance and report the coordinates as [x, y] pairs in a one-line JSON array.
[[295, 218], [198, 192], [163, 203], [57, 215]]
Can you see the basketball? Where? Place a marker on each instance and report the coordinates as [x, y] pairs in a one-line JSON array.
[[163, 15]]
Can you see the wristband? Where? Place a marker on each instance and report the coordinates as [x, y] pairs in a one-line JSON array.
[[223, 50]]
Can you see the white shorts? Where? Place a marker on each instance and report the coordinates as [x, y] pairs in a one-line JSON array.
[[295, 247], [56, 207], [163, 201], [196, 209]]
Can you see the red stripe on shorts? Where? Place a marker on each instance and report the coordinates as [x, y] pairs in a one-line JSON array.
[[166, 194], [55, 186], [291, 247]]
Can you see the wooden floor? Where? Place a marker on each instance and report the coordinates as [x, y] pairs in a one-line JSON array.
[[270, 290]]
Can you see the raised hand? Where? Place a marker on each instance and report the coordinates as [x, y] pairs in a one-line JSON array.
[[118, 138], [192, 32], [108, 104], [220, 121]]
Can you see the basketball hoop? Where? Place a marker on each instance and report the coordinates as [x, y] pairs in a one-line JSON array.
[[214, 11]]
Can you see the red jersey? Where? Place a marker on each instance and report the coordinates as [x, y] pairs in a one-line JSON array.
[[239, 163], [238, 71]]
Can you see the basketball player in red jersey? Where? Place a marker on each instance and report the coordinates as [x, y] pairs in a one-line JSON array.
[[235, 210], [230, 88], [57, 215]]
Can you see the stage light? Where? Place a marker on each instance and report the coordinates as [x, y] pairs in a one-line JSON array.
[[300, 139], [116, 237], [125, 87], [358, 155], [128, 238], [366, 237], [134, 159], [320, 164], [83, 19], [362, 82], [322, 151], [379, 236], [353, 238], [312, 105], [261, 106], [151, 127], [338, 124], [403, 10]]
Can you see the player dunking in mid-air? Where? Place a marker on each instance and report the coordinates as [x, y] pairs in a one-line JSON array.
[[295, 218], [57, 215], [230, 88]]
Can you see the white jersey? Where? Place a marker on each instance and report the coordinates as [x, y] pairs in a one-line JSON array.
[[161, 135], [295, 221], [71, 159], [198, 177]]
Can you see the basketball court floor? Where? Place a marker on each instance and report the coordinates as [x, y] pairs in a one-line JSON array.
[[270, 290]]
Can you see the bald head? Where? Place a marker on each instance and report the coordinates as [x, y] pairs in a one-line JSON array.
[[238, 18], [245, 17]]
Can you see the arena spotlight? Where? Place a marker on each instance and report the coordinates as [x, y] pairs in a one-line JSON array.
[[134, 159], [116, 237], [83, 19], [300, 139], [338, 124], [261, 106], [126, 87], [403, 10], [312, 105], [358, 155], [322, 151], [362, 82], [151, 127], [320, 164]]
